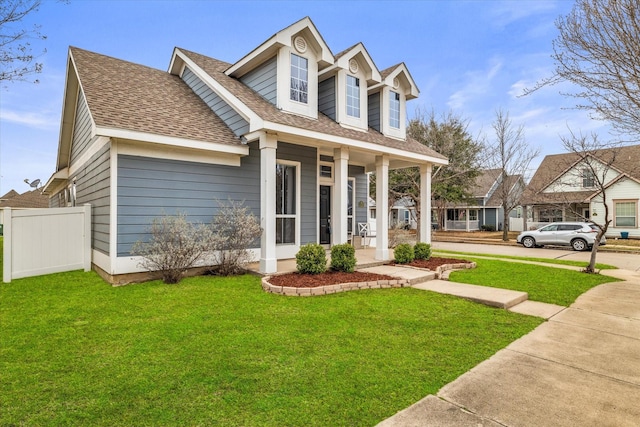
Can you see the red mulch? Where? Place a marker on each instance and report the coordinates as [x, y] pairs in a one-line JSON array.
[[298, 280]]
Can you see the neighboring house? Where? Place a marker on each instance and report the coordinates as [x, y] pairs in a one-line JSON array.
[[564, 189], [484, 208], [33, 199], [402, 213], [290, 129]]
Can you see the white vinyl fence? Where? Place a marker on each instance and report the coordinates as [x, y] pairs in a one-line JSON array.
[[44, 241], [516, 224]]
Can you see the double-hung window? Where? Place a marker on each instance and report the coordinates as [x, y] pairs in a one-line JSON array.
[[353, 96], [299, 79], [588, 179], [286, 202], [394, 110], [626, 214]]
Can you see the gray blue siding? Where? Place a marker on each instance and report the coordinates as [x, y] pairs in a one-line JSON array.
[[81, 129], [374, 111], [92, 186], [148, 188], [229, 116], [358, 173], [309, 187], [264, 80], [327, 97]]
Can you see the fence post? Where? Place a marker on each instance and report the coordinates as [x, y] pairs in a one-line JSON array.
[[87, 237], [6, 261]]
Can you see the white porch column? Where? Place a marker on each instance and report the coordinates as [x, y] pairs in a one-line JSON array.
[[382, 208], [339, 201], [268, 260], [425, 204], [467, 218]]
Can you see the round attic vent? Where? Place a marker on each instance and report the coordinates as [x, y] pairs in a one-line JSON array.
[[353, 66], [300, 44], [396, 83]]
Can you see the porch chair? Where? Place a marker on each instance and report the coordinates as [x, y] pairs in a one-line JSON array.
[[363, 231]]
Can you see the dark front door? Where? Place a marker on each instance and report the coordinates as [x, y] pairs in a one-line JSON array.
[[325, 214]]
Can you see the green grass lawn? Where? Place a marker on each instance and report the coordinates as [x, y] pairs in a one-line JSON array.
[[220, 351], [544, 284]]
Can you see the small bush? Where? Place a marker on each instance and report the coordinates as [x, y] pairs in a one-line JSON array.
[[404, 253], [234, 230], [311, 259], [422, 250], [343, 258], [175, 246], [487, 227]]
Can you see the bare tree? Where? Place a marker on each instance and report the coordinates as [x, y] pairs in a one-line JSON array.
[[449, 136], [592, 163], [598, 50], [16, 58], [511, 155]]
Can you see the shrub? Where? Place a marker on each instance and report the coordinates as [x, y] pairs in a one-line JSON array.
[[422, 250], [175, 246], [234, 229], [487, 227], [343, 258], [403, 253], [311, 259]]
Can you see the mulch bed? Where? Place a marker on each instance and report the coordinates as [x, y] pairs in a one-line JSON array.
[[298, 280]]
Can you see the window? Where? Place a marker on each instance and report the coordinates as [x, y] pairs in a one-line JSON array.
[[588, 179], [326, 171], [299, 78], [550, 215], [394, 110], [473, 215], [286, 200], [353, 96], [350, 194], [372, 213], [626, 214]]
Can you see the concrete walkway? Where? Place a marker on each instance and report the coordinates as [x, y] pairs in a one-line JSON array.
[[581, 368]]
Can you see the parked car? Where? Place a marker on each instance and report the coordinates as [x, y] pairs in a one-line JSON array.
[[579, 235]]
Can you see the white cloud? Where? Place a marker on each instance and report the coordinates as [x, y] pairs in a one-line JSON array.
[[478, 83], [32, 119]]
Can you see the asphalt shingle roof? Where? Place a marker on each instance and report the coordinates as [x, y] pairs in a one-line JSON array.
[[269, 112], [625, 159], [30, 199], [124, 95]]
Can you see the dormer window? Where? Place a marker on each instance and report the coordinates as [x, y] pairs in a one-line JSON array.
[[299, 79], [394, 110], [353, 96]]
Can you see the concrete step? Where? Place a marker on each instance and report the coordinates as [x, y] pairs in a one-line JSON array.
[[494, 297], [413, 275]]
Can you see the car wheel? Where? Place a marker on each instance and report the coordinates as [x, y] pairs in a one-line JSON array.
[[528, 242], [579, 245]]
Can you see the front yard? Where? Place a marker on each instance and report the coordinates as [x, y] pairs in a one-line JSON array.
[[220, 351]]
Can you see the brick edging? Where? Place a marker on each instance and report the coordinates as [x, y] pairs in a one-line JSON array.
[[332, 289], [443, 270], [354, 286]]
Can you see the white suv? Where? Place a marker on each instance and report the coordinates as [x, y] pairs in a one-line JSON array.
[[579, 235]]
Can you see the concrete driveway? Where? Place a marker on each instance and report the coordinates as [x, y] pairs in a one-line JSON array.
[[581, 368], [621, 260]]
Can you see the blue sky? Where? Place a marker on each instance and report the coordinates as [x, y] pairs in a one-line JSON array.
[[469, 57]]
